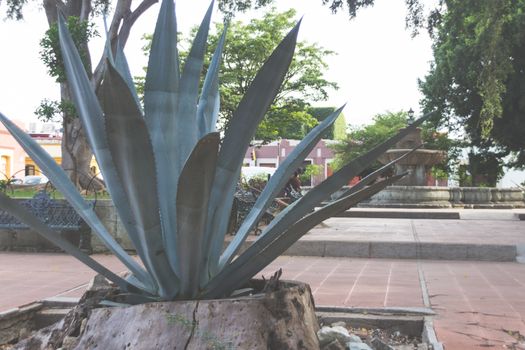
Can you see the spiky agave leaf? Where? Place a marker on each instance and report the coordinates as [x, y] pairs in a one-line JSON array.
[[259, 255], [375, 174], [243, 124], [157, 156], [167, 133], [338, 179], [61, 181], [295, 212], [92, 117], [192, 202], [276, 184], [209, 101], [121, 64], [134, 161], [189, 83]]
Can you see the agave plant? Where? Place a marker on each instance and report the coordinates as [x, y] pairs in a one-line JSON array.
[[171, 177]]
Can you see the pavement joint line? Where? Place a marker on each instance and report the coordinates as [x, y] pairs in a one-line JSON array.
[[327, 276], [296, 277], [467, 302], [388, 283], [423, 284], [510, 276], [428, 332], [355, 282], [71, 290], [416, 239], [496, 291]]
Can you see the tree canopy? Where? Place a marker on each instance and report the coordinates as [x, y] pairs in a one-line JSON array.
[[360, 139], [246, 48], [477, 79]]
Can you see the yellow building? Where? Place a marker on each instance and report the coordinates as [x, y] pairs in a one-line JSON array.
[[53, 146]]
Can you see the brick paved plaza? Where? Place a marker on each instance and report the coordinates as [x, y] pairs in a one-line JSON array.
[[479, 304]]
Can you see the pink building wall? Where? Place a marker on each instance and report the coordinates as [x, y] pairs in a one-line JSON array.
[[274, 153], [12, 156]]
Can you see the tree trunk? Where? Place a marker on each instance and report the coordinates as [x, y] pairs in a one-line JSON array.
[[76, 152]]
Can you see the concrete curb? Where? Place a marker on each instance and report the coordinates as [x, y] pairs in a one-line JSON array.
[[404, 250], [448, 215], [429, 334]]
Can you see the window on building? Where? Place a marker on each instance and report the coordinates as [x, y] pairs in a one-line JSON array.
[[30, 170]]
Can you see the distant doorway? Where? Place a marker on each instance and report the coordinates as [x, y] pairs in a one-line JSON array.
[[5, 166], [30, 170]]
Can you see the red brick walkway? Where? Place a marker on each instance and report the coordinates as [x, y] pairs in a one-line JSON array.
[[479, 304]]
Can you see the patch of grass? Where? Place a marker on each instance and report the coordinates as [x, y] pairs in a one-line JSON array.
[[29, 192]]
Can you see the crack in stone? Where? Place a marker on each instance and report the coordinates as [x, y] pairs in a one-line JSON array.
[[193, 325], [479, 338], [484, 314]]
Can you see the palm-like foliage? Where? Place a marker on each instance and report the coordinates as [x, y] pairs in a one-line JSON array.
[[171, 178]]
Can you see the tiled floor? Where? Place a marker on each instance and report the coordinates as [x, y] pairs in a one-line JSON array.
[[26, 277], [479, 304], [354, 282]]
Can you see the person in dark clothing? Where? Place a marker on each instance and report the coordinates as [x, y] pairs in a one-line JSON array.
[[292, 189]]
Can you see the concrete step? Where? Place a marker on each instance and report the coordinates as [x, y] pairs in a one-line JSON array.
[[404, 250], [391, 214]]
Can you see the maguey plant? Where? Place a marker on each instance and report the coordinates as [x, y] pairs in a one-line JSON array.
[[172, 178]]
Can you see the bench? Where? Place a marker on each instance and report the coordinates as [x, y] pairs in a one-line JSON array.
[[244, 200], [57, 214]]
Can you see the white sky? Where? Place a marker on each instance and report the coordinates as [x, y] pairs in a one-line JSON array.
[[377, 65]]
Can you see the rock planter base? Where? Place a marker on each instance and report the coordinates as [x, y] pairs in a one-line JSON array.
[[282, 319], [377, 329]]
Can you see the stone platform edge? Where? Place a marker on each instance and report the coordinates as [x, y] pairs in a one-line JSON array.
[[404, 250]]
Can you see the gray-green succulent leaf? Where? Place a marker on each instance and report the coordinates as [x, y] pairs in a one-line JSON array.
[[171, 177]]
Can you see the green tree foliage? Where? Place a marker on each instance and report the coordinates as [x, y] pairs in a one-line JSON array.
[[50, 54], [338, 129], [246, 49], [477, 80], [361, 138]]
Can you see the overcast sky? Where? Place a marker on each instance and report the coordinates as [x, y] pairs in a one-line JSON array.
[[377, 65]]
